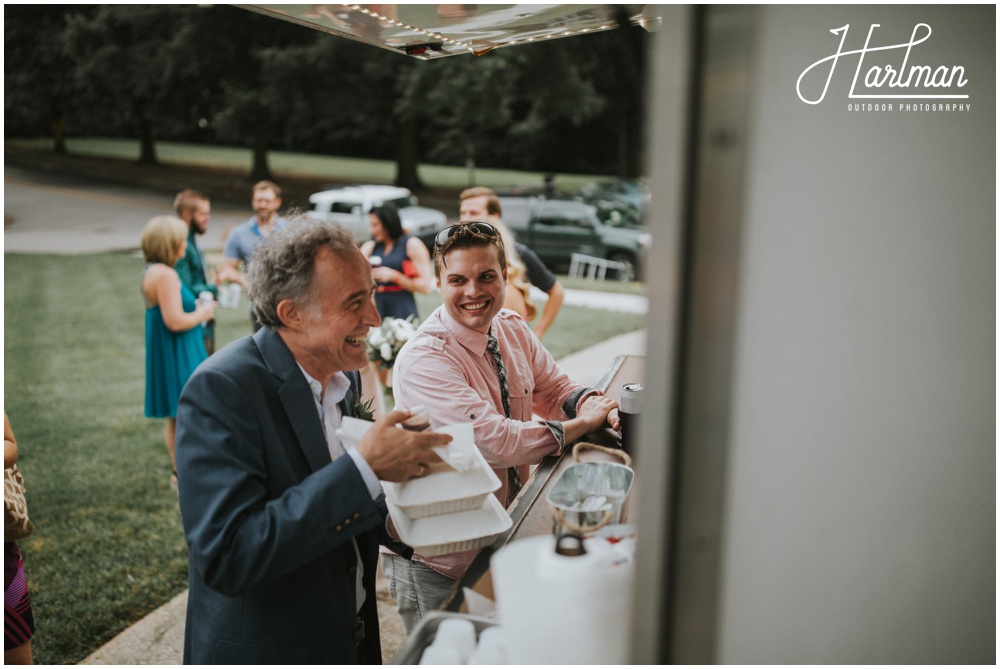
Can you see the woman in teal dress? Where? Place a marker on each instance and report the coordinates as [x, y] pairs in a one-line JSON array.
[[174, 343]]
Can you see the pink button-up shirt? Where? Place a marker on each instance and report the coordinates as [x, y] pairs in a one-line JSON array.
[[446, 367]]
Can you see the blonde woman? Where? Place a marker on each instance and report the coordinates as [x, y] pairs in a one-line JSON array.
[[174, 343], [516, 295]]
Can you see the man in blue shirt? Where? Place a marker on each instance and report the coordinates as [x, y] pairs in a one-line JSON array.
[[244, 239], [195, 209]]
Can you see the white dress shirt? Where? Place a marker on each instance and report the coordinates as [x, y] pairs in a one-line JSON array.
[[327, 400]]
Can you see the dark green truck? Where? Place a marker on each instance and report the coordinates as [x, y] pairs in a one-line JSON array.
[[556, 229]]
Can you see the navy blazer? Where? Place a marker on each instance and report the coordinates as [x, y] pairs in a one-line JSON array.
[[268, 517]]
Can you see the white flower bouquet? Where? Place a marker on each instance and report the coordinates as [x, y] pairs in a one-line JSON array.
[[385, 341]]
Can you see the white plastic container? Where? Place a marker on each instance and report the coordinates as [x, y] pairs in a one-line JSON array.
[[424, 634], [229, 295], [445, 490], [451, 532]]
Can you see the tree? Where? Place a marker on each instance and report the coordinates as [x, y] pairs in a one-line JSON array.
[[256, 107], [139, 67], [37, 84]]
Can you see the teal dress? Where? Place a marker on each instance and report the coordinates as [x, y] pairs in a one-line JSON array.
[[171, 357]]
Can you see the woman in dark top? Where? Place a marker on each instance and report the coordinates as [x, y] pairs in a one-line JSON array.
[[401, 264]]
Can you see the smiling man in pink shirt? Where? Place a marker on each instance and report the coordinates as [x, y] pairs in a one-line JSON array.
[[449, 368]]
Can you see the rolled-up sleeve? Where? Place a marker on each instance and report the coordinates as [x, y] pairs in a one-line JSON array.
[[458, 386]]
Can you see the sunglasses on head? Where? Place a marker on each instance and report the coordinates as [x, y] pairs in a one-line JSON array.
[[476, 226]]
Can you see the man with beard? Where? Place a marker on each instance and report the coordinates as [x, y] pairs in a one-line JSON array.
[[195, 210], [247, 236]]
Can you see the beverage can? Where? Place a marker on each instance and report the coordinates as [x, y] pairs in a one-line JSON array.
[[630, 400], [629, 410], [204, 297]]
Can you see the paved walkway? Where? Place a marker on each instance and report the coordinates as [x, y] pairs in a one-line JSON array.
[[158, 638]]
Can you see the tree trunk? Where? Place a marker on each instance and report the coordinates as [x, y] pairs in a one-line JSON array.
[[147, 147], [260, 170], [407, 154], [632, 58], [624, 141], [58, 136]]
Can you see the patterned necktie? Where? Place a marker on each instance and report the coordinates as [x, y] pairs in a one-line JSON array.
[[493, 346]]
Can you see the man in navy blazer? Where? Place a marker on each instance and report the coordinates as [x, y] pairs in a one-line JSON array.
[[282, 525]]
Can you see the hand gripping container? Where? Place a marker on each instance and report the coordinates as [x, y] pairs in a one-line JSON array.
[[447, 510], [444, 489]]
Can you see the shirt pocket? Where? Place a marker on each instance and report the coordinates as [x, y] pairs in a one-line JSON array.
[[520, 385]]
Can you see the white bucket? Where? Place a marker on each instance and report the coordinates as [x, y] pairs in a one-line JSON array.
[[557, 609]]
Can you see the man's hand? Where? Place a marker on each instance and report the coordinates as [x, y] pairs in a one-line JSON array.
[[227, 272], [597, 410], [396, 454]]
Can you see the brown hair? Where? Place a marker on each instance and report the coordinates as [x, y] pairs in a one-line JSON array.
[[493, 207], [264, 185], [464, 237], [186, 200]]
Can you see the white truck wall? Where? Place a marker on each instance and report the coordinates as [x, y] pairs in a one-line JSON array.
[[860, 486]]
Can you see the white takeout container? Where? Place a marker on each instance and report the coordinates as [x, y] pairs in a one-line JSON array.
[[451, 532], [448, 490], [443, 491]]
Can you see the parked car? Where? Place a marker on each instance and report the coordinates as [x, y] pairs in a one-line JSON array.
[[556, 229], [621, 201], [350, 205]]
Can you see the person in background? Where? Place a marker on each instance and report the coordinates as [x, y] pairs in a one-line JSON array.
[[482, 204], [282, 523], [195, 210], [472, 361], [243, 240], [174, 343], [401, 264], [18, 618]]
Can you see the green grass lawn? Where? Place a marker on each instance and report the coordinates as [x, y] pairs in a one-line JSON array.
[[108, 546], [283, 163]]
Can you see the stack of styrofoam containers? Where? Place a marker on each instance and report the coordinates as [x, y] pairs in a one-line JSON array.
[[447, 510]]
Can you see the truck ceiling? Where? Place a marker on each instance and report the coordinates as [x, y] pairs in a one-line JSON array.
[[428, 31]]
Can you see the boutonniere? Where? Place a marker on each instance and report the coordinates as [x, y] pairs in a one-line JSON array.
[[361, 409]]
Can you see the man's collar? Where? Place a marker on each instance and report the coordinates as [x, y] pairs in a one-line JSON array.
[[471, 339], [336, 389]]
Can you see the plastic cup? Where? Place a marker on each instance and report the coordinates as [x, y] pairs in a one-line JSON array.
[[456, 633], [435, 654]]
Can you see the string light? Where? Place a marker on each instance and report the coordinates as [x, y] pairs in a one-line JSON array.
[[463, 45]]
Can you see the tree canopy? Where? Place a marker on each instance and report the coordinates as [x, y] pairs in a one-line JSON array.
[[224, 75]]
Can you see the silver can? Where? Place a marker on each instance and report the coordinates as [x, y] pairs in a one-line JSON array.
[[630, 400]]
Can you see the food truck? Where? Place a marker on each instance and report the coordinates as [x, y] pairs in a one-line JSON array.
[[815, 478]]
